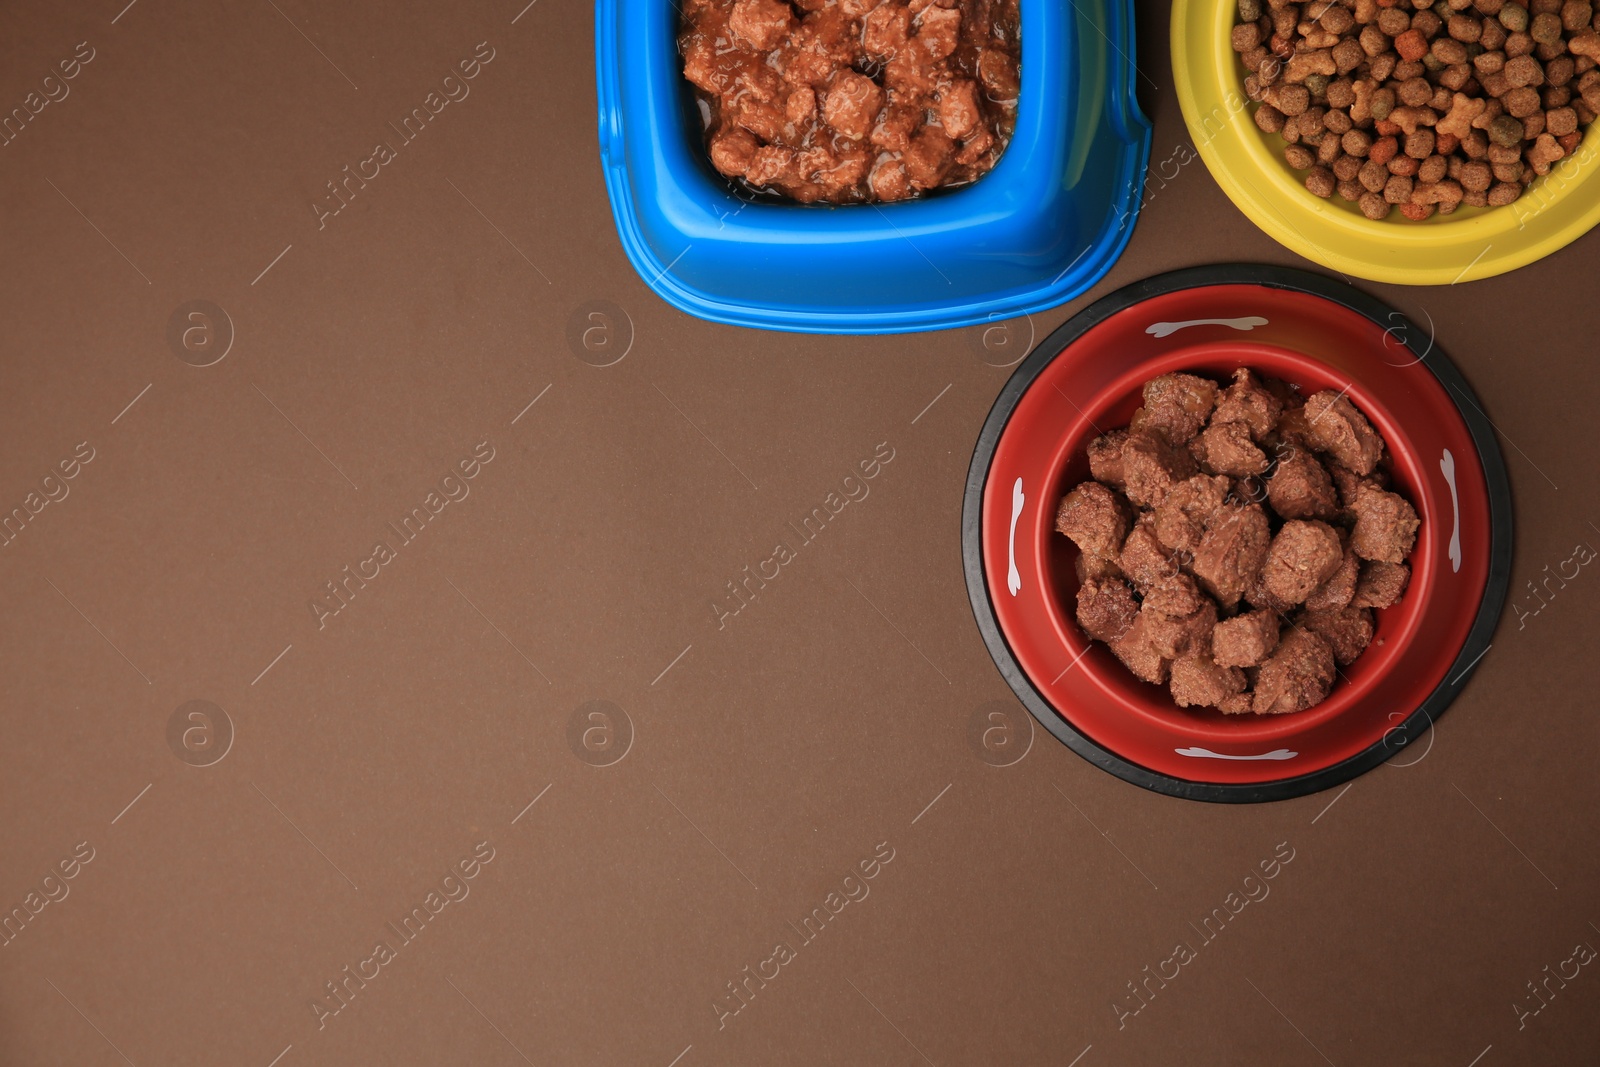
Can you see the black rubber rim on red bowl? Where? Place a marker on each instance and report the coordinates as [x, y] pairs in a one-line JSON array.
[[1478, 639]]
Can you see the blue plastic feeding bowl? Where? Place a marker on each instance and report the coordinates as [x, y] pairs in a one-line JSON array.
[[1040, 228]]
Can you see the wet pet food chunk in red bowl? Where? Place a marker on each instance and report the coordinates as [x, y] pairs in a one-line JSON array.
[[1320, 545], [1223, 538]]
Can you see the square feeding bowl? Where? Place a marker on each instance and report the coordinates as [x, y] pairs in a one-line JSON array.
[[1316, 334], [1040, 228]]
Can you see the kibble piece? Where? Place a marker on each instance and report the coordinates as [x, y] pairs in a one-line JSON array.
[[1297, 676], [1524, 104], [1380, 584], [1394, 21], [1289, 99], [1096, 519], [1524, 71], [1386, 525], [1420, 145], [1347, 56], [1269, 118], [1476, 177], [1561, 121], [1404, 166], [1106, 608], [1347, 631], [1397, 190], [1356, 143], [1453, 78], [1432, 172], [1411, 45], [1320, 181], [1304, 65], [1545, 151], [1405, 70], [1198, 681], [1546, 28], [1464, 28], [1335, 19], [1413, 93], [1336, 427], [1245, 640], [1374, 175], [1503, 193], [1299, 156]]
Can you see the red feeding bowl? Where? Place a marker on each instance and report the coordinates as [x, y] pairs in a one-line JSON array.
[[1086, 378]]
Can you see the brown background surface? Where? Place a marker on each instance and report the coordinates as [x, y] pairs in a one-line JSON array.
[[773, 754]]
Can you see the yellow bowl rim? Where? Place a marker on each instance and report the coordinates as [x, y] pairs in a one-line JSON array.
[[1562, 205]]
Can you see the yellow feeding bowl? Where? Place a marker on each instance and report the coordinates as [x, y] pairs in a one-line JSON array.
[[1468, 244]]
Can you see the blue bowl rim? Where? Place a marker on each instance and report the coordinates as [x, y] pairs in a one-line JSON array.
[[1121, 112]]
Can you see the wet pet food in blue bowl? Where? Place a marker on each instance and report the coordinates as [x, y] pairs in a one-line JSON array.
[[861, 101], [869, 166]]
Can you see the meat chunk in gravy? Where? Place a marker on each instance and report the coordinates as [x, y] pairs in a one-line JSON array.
[[853, 101]]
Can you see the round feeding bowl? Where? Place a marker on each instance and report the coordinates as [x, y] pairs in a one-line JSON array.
[[1317, 334], [1043, 226], [1249, 165]]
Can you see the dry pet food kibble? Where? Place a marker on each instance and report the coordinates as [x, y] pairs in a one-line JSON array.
[[1424, 105], [1235, 541]]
